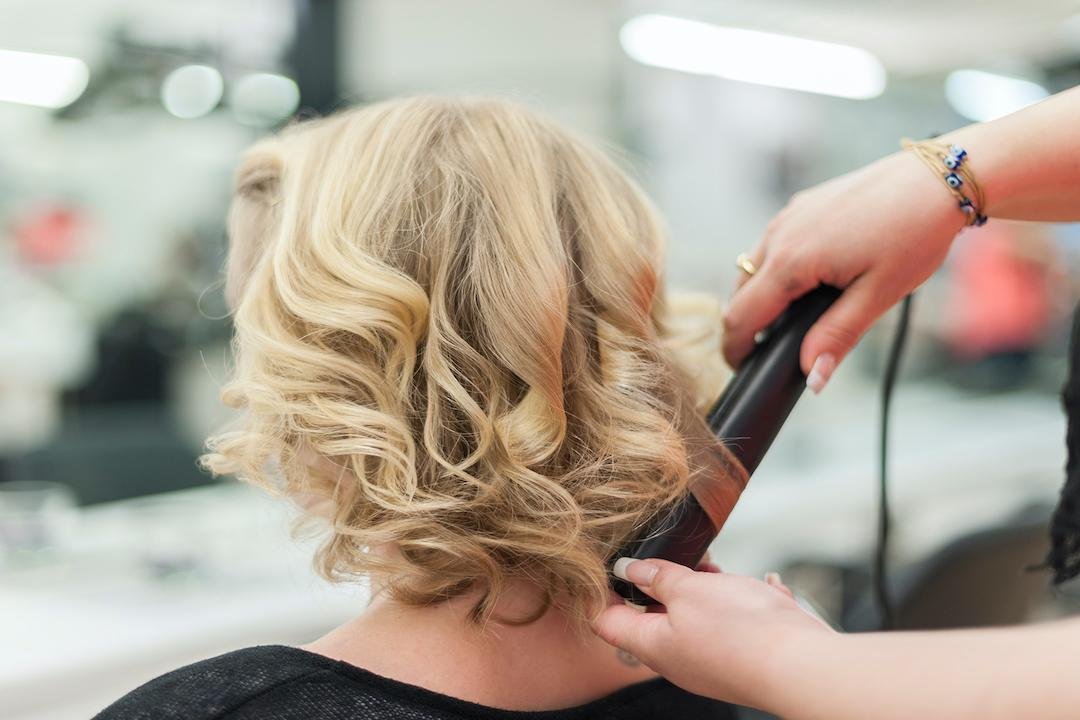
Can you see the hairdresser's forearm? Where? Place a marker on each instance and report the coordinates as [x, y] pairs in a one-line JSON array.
[[1028, 163], [979, 674]]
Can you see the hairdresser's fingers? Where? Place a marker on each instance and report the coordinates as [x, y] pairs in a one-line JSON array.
[[757, 259], [757, 303], [631, 630], [773, 578], [837, 331], [661, 579], [707, 565]]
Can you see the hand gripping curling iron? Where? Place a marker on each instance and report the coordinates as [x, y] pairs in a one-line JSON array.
[[747, 417]]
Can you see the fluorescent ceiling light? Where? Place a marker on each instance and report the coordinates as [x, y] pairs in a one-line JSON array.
[[192, 91], [751, 56], [51, 81], [982, 96]]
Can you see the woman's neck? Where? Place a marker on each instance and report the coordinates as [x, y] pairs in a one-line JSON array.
[[544, 665]]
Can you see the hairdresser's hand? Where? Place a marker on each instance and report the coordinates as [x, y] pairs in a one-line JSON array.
[[879, 232], [723, 636]]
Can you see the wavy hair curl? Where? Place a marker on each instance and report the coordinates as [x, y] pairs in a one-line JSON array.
[[451, 339]]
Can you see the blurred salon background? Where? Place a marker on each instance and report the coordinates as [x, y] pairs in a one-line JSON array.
[[120, 125]]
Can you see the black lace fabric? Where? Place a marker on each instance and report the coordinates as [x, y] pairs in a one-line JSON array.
[[1064, 556]]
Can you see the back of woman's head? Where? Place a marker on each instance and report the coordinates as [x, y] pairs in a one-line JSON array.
[[450, 341]]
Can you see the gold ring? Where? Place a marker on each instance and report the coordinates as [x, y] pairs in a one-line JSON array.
[[743, 263]]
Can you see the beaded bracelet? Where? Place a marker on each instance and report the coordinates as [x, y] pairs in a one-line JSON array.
[[949, 162]]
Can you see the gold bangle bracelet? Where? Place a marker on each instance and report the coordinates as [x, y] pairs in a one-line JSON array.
[[949, 162]]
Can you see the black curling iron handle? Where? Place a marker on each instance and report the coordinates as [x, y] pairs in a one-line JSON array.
[[747, 416], [757, 401]]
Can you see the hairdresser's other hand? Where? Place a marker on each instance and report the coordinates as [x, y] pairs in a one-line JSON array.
[[724, 636], [879, 232]]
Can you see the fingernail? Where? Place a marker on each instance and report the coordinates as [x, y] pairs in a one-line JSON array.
[[821, 372], [619, 569], [632, 570]]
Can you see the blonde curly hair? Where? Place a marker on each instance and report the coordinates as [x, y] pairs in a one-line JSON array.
[[451, 339]]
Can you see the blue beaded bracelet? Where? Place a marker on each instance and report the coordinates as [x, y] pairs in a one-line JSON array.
[[957, 175]]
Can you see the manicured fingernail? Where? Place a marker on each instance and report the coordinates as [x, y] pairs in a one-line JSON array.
[[821, 372], [632, 570]]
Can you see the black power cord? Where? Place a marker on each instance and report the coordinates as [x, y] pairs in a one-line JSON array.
[[880, 569]]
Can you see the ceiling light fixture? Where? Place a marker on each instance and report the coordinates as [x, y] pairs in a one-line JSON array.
[[263, 99], [192, 91], [50, 81], [982, 96], [752, 56]]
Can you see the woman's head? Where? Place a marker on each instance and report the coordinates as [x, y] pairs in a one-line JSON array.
[[450, 338]]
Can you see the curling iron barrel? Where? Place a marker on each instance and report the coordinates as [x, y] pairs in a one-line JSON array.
[[747, 416]]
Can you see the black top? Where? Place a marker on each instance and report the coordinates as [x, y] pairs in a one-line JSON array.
[[275, 682]]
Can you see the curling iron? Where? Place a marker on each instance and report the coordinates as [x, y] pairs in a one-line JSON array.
[[747, 417]]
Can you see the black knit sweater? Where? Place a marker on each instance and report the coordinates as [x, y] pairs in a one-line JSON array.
[[276, 682]]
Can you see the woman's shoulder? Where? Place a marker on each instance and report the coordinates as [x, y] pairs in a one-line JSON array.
[[277, 682], [218, 687]]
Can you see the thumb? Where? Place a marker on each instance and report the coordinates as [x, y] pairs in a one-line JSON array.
[[837, 332], [635, 631], [660, 579]]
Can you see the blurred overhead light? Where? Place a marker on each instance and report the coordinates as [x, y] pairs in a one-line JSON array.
[[982, 96], [51, 81], [751, 56], [264, 98], [192, 91]]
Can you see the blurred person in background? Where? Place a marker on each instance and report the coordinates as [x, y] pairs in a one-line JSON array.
[[879, 232], [454, 347], [999, 305]]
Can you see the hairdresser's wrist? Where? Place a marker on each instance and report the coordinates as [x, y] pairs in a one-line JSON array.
[[926, 196], [798, 671], [1015, 164]]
